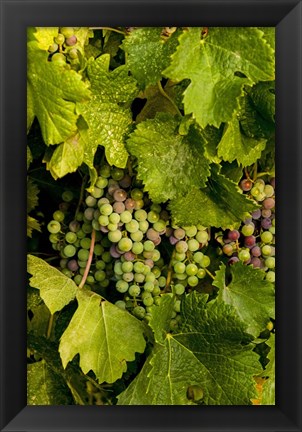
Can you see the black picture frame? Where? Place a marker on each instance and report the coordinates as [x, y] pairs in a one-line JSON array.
[[16, 16]]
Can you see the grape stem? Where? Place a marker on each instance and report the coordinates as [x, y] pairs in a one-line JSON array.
[[50, 324], [87, 268], [108, 28], [162, 91], [210, 274], [169, 275]]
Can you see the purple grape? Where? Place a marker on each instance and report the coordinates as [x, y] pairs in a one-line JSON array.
[[157, 241], [130, 203], [129, 256], [173, 240], [233, 260], [227, 249], [72, 40], [113, 252], [256, 251], [119, 207], [152, 234], [233, 235], [73, 265], [266, 213], [256, 262], [269, 203], [246, 185], [149, 262], [104, 229], [266, 223], [249, 241], [256, 214], [273, 182], [74, 226], [120, 195], [126, 181]]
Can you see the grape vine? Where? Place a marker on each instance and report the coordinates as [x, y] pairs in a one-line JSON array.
[[151, 216]]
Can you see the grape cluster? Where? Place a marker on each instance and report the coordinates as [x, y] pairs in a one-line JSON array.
[[254, 242], [64, 47]]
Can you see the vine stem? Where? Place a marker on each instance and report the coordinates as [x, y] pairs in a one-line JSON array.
[[108, 28], [50, 324], [87, 268], [162, 91], [169, 275], [210, 274]]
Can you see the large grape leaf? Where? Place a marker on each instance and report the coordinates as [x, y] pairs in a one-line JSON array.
[[211, 351], [219, 66], [32, 194], [56, 289], [105, 336], [161, 317], [107, 113], [169, 164], [147, 54], [220, 204], [67, 157], [268, 393], [52, 91], [234, 145], [249, 293], [45, 387], [32, 224], [45, 36]]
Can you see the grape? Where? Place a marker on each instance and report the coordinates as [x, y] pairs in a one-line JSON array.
[[228, 249], [70, 41], [233, 235], [83, 254], [269, 203], [193, 245], [269, 190], [193, 281], [134, 290], [58, 215], [266, 223], [181, 246], [103, 220], [139, 311], [179, 233], [119, 207], [71, 237], [136, 194], [53, 48], [73, 265], [198, 257], [266, 250], [201, 273], [69, 251], [149, 286], [67, 196], [270, 276], [100, 265], [160, 226], [149, 262], [202, 237], [128, 277], [106, 209], [267, 237], [149, 246], [115, 236], [74, 226], [246, 185], [137, 236], [205, 262], [179, 267], [256, 251], [125, 244], [126, 216], [256, 262], [143, 226], [59, 39], [132, 226], [73, 54], [122, 286], [233, 260], [86, 228], [140, 215], [179, 289], [117, 173], [153, 216], [54, 227], [125, 182], [250, 241], [148, 301], [130, 204], [127, 266], [266, 213], [98, 249], [112, 226], [270, 262], [244, 255], [191, 269], [67, 31], [120, 195], [173, 240], [256, 214], [89, 214]]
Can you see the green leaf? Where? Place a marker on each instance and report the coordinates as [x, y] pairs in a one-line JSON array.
[[236, 146], [211, 351], [263, 97], [107, 114], [67, 157], [219, 66], [32, 195], [161, 316], [268, 394], [29, 156], [147, 54], [45, 387], [32, 224], [45, 36], [156, 102], [169, 164], [105, 336], [39, 321], [52, 92], [33, 298], [249, 293], [220, 204], [56, 289]]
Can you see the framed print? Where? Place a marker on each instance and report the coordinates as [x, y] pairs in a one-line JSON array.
[[142, 284]]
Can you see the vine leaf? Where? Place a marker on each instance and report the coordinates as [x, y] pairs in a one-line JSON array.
[[45, 387], [236, 146], [56, 289], [107, 114], [67, 157], [220, 204], [268, 393], [32, 224], [52, 92], [219, 66], [45, 36], [168, 163], [248, 292], [105, 336], [161, 317], [209, 329], [148, 54]]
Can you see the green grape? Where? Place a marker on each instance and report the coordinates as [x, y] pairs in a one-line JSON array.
[[148, 286], [147, 269], [59, 39], [157, 300], [156, 208], [126, 216], [267, 237], [118, 268], [182, 246], [244, 255], [98, 249], [190, 231], [139, 277], [74, 54], [179, 267], [138, 267], [53, 48], [148, 301], [69, 251], [176, 306], [127, 266], [134, 290], [193, 245], [152, 217], [103, 220], [82, 264], [162, 281], [205, 262], [66, 272], [191, 269], [139, 311], [90, 201], [156, 291], [53, 238], [112, 227], [71, 237], [106, 257], [87, 228], [122, 286], [100, 265], [248, 230], [201, 273], [115, 236], [95, 225], [156, 271], [193, 281], [198, 257], [143, 226], [117, 173], [120, 304], [202, 237], [270, 276], [266, 250], [132, 226], [85, 243], [67, 31], [58, 215], [83, 254], [137, 236], [136, 194], [106, 209], [270, 262], [150, 277], [114, 218], [179, 289], [77, 279], [137, 248], [149, 246], [160, 225], [67, 196], [81, 234], [100, 275], [54, 227], [180, 256], [125, 244], [140, 215], [90, 279]]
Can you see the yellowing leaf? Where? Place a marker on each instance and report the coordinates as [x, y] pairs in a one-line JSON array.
[[105, 336], [56, 289]]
